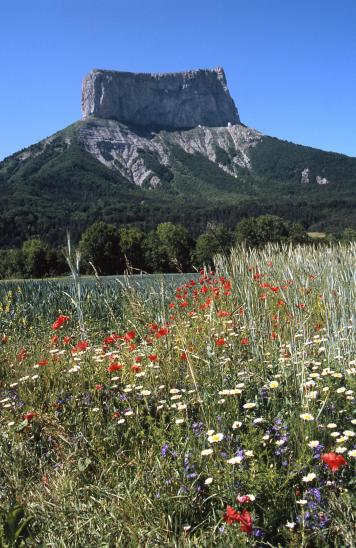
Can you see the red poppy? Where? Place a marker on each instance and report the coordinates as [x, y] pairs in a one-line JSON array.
[[231, 515], [111, 339], [42, 363], [274, 288], [162, 332], [245, 341], [99, 386], [67, 340], [138, 359], [184, 356], [223, 313], [153, 357], [114, 367], [245, 519], [246, 522], [220, 342], [334, 461], [61, 320], [80, 346], [129, 335], [29, 415], [54, 339], [135, 368]]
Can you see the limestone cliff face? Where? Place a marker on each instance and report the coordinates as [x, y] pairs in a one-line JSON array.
[[167, 101], [119, 148]]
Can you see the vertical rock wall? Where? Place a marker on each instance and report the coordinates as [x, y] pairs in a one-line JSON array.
[[171, 101]]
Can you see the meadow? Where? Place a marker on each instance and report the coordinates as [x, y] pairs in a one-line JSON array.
[[208, 410]]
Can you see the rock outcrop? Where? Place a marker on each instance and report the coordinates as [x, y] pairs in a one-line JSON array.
[[119, 148], [163, 101]]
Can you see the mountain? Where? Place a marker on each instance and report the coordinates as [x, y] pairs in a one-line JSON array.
[[162, 147]]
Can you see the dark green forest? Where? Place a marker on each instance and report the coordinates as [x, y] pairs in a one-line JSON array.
[[109, 249]]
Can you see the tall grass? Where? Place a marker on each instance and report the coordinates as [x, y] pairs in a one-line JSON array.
[[197, 415]]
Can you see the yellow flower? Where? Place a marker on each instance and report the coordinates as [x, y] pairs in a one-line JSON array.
[[273, 384], [306, 417], [215, 438]]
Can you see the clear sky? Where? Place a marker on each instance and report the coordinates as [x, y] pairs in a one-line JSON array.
[[290, 64]]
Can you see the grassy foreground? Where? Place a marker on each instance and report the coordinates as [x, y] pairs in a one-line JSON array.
[[219, 415]]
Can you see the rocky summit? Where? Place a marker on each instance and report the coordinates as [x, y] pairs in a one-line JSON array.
[[177, 100]]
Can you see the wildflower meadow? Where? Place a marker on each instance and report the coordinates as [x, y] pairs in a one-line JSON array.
[[212, 409]]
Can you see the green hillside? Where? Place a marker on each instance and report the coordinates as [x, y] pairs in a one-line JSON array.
[[57, 185]]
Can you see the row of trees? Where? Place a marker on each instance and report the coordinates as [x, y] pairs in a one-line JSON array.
[[168, 248]]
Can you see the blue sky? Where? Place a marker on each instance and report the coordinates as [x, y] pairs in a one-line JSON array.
[[290, 64]]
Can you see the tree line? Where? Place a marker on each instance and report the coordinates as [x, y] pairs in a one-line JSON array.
[[168, 248]]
